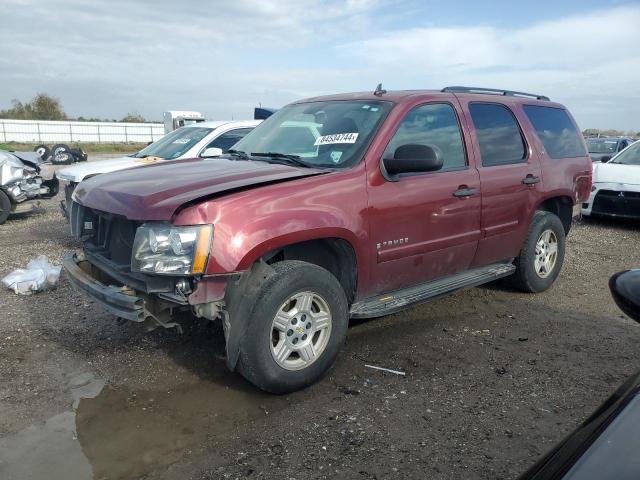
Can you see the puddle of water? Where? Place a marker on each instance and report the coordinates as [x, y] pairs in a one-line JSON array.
[[126, 434], [115, 433], [50, 451]]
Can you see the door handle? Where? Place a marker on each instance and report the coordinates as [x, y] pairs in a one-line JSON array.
[[464, 191], [530, 179]]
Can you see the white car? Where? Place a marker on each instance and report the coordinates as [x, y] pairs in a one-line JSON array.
[[203, 139], [616, 186]]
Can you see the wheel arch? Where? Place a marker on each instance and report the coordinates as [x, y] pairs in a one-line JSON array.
[[561, 206], [334, 254]]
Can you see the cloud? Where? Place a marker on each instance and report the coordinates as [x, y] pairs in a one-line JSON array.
[[107, 58], [576, 60]]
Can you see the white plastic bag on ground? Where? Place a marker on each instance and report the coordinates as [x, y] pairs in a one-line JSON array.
[[39, 275]]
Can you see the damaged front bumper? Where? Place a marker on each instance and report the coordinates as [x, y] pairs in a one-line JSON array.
[[26, 192], [141, 298], [120, 301]]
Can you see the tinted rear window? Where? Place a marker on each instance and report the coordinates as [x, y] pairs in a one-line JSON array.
[[499, 136], [556, 131]]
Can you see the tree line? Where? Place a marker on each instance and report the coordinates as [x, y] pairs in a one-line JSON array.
[[46, 107]]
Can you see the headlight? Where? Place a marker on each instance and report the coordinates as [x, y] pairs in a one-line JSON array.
[[164, 249]]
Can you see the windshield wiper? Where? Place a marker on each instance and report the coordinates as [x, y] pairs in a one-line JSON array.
[[238, 153], [288, 158]]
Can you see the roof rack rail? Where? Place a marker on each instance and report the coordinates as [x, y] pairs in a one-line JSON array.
[[495, 91]]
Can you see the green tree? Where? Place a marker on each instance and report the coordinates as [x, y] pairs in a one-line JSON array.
[[41, 107], [133, 118]]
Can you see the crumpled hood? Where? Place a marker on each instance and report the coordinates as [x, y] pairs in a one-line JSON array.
[[155, 192], [616, 173]]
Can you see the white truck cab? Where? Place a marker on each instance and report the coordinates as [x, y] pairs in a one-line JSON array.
[[174, 119]]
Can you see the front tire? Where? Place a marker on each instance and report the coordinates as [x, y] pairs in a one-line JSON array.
[[296, 328], [540, 260], [5, 207]]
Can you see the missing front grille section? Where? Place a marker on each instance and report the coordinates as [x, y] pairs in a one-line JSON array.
[[113, 236]]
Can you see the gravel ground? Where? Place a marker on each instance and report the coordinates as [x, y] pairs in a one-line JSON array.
[[493, 379]]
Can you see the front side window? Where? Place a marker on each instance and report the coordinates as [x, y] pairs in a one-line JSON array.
[[174, 144], [629, 156], [435, 125], [499, 136], [228, 139], [556, 131], [320, 134]]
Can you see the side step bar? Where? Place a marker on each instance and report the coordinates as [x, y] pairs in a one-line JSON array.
[[400, 299]]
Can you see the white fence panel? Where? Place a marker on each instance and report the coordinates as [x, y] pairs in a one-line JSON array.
[[41, 131]]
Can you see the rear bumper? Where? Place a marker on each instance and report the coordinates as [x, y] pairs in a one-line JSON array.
[[116, 300]]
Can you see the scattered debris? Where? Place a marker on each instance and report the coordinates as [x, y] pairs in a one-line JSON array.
[[501, 370], [39, 275], [277, 449], [523, 339], [484, 332], [350, 391], [397, 372]]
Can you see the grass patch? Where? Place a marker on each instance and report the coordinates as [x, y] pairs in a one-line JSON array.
[[87, 147]]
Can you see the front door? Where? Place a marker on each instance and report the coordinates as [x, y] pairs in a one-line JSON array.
[[424, 226]]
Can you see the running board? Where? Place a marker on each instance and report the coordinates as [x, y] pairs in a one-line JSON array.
[[400, 299]]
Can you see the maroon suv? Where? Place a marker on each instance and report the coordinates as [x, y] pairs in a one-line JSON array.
[[336, 207]]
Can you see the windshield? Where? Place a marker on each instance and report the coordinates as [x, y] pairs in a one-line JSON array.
[[174, 144], [319, 134], [629, 156], [602, 146]]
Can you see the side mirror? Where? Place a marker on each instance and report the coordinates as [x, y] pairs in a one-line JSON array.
[[211, 152], [625, 289], [412, 158], [605, 159]]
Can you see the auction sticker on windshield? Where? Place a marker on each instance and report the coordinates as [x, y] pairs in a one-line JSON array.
[[336, 138], [182, 140]]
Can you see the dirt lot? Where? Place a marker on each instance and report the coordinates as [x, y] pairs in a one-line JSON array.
[[493, 379]]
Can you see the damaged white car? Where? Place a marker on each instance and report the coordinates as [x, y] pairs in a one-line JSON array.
[[23, 181]]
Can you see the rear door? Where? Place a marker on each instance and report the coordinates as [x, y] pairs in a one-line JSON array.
[[510, 177], [420, 229]]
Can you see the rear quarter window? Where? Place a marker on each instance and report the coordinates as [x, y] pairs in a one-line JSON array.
[[556, 131]]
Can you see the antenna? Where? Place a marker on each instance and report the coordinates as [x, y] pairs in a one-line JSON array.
[[379, 91]]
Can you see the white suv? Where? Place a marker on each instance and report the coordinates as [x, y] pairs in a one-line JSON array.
[[204, 139]]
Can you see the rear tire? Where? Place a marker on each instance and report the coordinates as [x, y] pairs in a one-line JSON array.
[[296, 328], [5, 207], [540, 260]]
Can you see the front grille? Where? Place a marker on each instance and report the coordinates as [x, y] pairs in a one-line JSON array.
[[611, 202], [105, 234], [114, 235]]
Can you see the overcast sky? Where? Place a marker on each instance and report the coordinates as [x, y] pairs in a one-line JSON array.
[[108, 58]]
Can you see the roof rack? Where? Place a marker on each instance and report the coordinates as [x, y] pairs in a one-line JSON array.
[[494, 91]]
